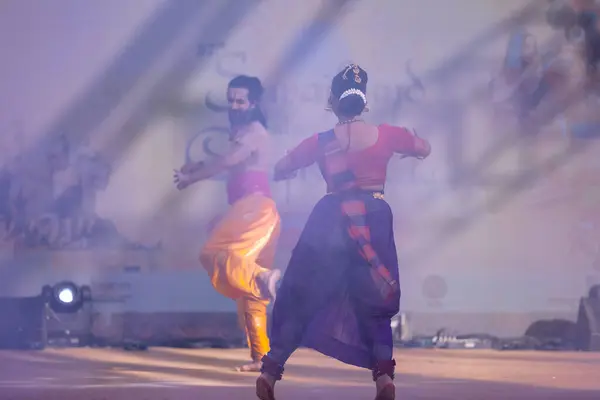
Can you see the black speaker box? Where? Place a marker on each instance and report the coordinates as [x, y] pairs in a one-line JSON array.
[[22, 323]]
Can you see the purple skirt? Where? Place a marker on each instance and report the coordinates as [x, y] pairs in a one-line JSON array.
[[328, 299]]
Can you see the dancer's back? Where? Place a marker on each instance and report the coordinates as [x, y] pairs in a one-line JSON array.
[[368, 149]]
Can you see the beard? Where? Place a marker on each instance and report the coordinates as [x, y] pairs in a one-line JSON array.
[[240, 117]]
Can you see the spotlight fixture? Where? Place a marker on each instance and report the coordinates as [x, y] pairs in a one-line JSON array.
[[66, 297], [68, 313]]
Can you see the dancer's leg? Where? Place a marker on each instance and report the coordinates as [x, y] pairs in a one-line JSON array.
[[240, 242], [230, 254], [253, 315]]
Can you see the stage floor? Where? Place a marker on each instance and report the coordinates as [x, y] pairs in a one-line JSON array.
[[207, 374]]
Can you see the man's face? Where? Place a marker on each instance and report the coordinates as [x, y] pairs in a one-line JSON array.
[[240, 108]]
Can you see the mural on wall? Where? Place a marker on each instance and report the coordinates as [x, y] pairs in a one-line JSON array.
[[525, 78], [288, 103], [577, 23], [442, 90], [533, 75], [209, 140], [541, 81], [36, 214], [551, 90]]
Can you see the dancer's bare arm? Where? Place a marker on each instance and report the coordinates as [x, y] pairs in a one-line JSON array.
[[242, 148], [302, 156], [407, 143]]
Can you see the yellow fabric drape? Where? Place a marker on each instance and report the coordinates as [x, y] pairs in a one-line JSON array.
[[241, 246]]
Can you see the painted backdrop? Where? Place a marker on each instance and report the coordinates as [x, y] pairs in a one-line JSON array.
[[502, 218]]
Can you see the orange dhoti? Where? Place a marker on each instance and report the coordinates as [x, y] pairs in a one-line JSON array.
[[241, 246]]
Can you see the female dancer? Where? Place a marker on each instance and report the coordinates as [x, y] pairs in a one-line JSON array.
[[341, 286]]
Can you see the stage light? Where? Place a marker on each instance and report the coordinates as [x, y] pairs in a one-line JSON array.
[[68, 313], [66, 293], [66, 297]]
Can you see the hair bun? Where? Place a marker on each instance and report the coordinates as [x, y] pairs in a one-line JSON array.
[[349, 86]]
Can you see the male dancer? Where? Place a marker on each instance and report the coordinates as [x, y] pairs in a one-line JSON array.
[[240, 251]]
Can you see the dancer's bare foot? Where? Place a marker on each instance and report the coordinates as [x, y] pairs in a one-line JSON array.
[[386, 390], [269, 281], [265, 387], [251, 367]]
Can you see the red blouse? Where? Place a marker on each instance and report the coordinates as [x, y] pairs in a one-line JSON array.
[[369, 165]]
